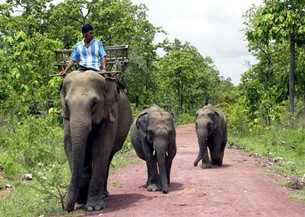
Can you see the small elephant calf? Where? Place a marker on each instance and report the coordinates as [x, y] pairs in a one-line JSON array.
[[153, 137], [211, 129]]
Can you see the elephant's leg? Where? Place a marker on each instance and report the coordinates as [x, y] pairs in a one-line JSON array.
[[87, 173], [96, 192], [153, 180], [169, 159], [105, 190], [153, 183], [221, 154], [206, 163], [216, 150], [101, 154], [168, 162]]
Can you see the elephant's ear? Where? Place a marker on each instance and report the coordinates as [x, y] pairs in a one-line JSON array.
[[142, 123], [111, 90], [217, 119], [64, 109], [198, 112], [110, 95]]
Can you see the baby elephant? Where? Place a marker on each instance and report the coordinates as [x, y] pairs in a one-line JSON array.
[[211, 129], [153, 137]]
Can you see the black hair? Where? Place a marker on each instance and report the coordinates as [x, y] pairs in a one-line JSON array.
[[86, 28]]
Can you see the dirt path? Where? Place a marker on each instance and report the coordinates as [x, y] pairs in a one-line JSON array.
[[241, 187]]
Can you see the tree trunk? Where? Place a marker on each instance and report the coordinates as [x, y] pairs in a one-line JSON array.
[[291, 73], [178, 75]]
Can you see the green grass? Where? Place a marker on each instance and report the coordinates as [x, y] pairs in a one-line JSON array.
[[285, 147]]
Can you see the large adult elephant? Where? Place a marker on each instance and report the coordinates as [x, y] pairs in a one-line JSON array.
[[91, 138], [153, 137], [211, 129]]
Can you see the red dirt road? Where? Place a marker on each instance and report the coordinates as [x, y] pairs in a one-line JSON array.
[[241, 187]]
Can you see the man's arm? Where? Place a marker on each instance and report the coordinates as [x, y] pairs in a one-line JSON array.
[[103, 65], [64, 72]]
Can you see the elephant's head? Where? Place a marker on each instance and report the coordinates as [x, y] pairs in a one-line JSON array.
[[86, 99], [207, 121], [154, 124], [87, 95]]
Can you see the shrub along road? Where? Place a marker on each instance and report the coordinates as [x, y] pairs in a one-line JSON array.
[[243, 186]]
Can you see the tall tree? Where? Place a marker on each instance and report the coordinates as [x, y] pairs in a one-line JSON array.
[[187, 78], [276, 22]]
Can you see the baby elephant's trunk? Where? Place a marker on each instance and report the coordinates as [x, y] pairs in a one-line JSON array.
[[161, 148], [199, 157]]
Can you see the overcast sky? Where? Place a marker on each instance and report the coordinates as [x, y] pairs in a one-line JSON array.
[[212, 26]]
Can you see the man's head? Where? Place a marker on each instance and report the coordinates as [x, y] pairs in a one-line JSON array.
[[86, 28], [88, 32]]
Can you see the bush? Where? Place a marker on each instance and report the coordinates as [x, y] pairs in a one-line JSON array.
[[185, 119], [26, 143]]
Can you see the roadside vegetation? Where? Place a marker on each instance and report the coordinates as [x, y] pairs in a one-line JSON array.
[[265, 112]]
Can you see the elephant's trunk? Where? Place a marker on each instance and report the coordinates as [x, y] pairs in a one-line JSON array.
[[79, 135], [161, 148], [202, 137], [199, 157]]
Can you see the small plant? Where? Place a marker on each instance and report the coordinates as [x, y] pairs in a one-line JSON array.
[[53, 182]]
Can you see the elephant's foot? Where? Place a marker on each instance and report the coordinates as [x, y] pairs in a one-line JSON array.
[[106, 194], [95, 205], [217, 162], [153, 187], [165, 190], [206, 165]]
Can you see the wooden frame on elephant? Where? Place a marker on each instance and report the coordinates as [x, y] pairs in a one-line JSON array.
[[117, 59]]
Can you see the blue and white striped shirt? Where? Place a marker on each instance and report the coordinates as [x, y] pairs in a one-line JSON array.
[[89, 57]]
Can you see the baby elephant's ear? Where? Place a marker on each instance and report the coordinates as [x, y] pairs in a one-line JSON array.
[[142, 122], [216, 119]]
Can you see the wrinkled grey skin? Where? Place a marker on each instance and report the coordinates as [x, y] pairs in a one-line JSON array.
[[153, 137], [211, 129], [90, 138]]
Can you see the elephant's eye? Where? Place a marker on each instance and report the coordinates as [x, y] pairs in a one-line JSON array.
[[94, 103]]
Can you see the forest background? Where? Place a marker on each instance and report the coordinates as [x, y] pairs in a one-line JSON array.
[[265, 112]]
